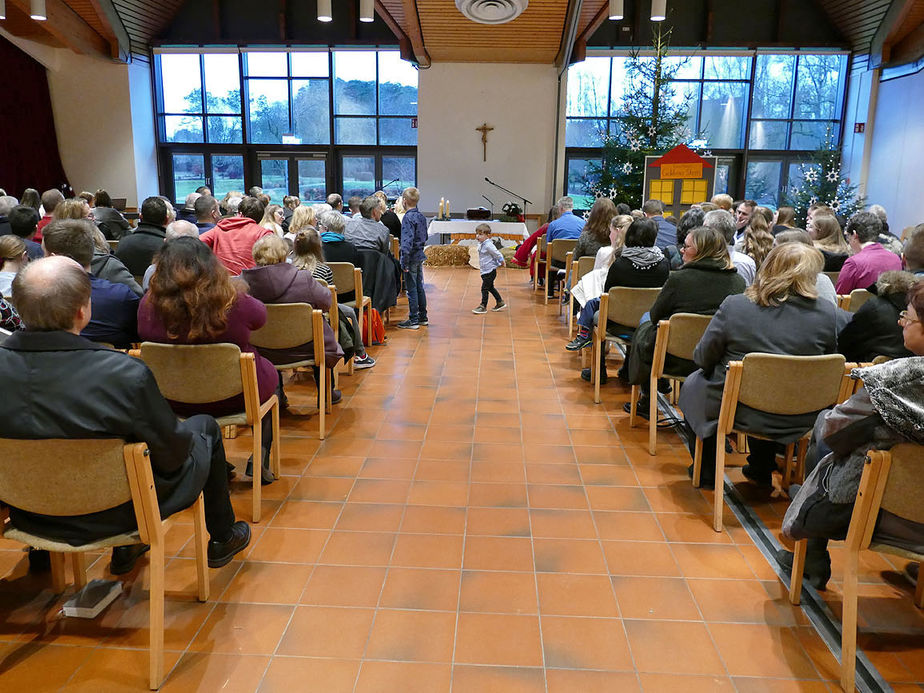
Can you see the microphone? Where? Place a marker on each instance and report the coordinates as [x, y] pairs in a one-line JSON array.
[[390, 182], [490, 203]]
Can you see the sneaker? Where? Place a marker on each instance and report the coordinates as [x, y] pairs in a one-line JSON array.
[[579, 342], [498, 307], [365, 362], [423, 322], [221, 552], [479, 310], [408, 325], [704, 481]]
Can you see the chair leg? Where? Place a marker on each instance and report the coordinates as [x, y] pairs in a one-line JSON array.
[[200, 536], [652, 416], [788, 465], [58, 575], [798, 565], [79, 566], [849, 623], [570, 319], [322, 400], [802, 450], [276, 447], [597, 356], [742, 445], [257, 468], [156, 568], [697, 461], [718, 504], [919, 590], [633, 400]]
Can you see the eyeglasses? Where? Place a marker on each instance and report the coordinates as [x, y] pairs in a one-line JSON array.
[[904, 320]]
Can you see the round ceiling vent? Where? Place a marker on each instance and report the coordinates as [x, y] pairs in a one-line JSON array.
[[492, 11]]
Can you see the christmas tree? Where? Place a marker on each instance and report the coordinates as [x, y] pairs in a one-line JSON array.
[[822, 182], [651, 120]]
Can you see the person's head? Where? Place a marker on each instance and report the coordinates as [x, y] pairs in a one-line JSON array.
[[71, 238], [618, 227], [598, 223], [910, 320], [252, 208], [383, 198], [272, 215], [154, 211], [31, 198], [880, 212], [206, 208], [863, 227], [255, 191], [642, 233], [53, 294], [708, 206], [482, 232], [335, 201], [265, 199], [411, 197], [704, 243], [371, 208], [723, 201], [89, 197], [554, 213], [793, 236], [23, 220], [190, 290], [786, 216], [302, 218], [788, 270], [270, 250], [291, 201], [12, 253], [826, 232], [308, 249], [913, 254], [689, 221], [565, 204], [103, 199], [180, 228], [816, 209], [51, 199], [764, 212], [332, 221], [225, 201], [191, 200], [354, 202], [622, 209], [744, 212], [653, 208], [757, 238], [233, 205], [7, 203], [75, 208], [204, 190], [723, 221]]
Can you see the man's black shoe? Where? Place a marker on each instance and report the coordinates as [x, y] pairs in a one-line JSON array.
[[817, 570], [641, 407], [703, 481], [266, 476], [761, 478], [664, 386], [124, 558], [39, 560], [221, 552], [585, 375]]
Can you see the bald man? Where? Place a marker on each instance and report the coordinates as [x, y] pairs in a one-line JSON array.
[[175, 230], [59, 385]]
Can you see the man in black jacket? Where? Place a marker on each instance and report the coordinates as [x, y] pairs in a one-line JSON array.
[[60, 385], [136, 251]]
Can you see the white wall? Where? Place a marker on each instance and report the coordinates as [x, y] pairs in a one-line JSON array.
[[518, 101]]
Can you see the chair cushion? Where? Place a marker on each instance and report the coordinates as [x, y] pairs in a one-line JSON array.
[[58, 546]]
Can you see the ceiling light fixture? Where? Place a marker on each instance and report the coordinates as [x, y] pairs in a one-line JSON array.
[[616, 9], [366, 10], [658, 10], [2, 9], [492, 11], [324, 12], [38, 10]]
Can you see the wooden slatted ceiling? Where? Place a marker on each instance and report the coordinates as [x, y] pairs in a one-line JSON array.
[[143, 20], [858, 20], [912, 21], [87, 12]]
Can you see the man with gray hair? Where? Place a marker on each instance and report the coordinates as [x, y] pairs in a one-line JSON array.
[[887, 239], [724, 222], [7, 202], [174, 230], [366, 231], [336, 202], [49, 362], [188, 212], [868, 258]]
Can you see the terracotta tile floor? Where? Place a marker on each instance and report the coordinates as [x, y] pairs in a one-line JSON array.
[[472, 523]]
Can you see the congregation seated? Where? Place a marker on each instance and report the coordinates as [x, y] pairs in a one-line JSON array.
[[175, 229], [596, 232], [23, 223], [874, 330], [50, 200], [353, 204], [524, 252], [207, 213], [193, 300], [869, 258], [106, 265], [366, 231], [706, 279], [778, 314], [272, 219], [98, 392], [724, 222], [109, 220], [591, 284], [886, 411], [743, 211], [667, 232], [828, 237], [568, 225], [137, 250], [784, 220], [336, 202], [188, 211], [114, 319], [691, 219], [887, 239], [823, 284], [12, 259], [233, 238]]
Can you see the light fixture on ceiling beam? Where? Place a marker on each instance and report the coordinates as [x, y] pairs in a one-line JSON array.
[[616, 9], [2, 9], [367, 10], [324, 12], [658, 10], [38, 10]]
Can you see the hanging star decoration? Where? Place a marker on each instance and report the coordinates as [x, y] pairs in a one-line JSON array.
[[811, 175], [835, 205], [627, 167], [652, 131], [832, 176], [634, 145]]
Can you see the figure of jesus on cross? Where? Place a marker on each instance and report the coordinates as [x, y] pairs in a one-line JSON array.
[[484, 130]]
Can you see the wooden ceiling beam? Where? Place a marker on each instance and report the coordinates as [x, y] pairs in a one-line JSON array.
[[69, 29], [569, 34], [120, 45], [404, 43], [580, 44], [415, 33], [892, 24]]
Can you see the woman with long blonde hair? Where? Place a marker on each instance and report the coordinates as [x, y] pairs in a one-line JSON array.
[[303, 218], [828, 237], [272, 219]]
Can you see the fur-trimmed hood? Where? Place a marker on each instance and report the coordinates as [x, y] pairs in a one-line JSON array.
[[895, 282], [896, 389]]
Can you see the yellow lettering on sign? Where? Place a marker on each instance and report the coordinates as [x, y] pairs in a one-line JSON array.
[[681, 170]]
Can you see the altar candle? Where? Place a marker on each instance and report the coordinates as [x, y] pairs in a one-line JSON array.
[[447, 209], [441, 207]]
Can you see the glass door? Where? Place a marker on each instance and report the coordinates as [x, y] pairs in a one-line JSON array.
[[304, 175], [361, 174], [312, 179], [274, 177], [222, 173]]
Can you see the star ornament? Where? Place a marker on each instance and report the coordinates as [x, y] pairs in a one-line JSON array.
[[832, 176], [627, 167], [811, 175]]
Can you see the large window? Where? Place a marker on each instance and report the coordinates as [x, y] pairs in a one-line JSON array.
[[287, 119], [795, 102]]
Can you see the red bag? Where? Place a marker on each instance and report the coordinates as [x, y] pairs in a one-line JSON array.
[[378, 327]]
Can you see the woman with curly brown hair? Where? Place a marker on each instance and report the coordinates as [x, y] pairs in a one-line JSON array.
[[596, 232], [758, 241], [192, 300]]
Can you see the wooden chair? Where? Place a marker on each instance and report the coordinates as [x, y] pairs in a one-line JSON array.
[[777, 384], [678, 337], [852, 301], [891, 481], [558, 251], [204, 373], [576, 269], [113, 244], [99, 474], [832, 276], [289, 325], [333, 318], [349, 278], [541, 247], [624, 306]]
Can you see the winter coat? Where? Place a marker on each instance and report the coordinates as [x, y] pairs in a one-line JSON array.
[[232, 241], [874, 330]]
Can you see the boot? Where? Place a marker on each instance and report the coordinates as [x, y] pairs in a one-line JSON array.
[[817, 570]]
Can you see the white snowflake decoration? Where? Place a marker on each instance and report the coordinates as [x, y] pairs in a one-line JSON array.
[[586, 215], [634, 145], [811, 176], [627, 167], [652, 131], [835, 205], [612, 192], [598, 194], [832, 176], [706, 153], [813, 200]]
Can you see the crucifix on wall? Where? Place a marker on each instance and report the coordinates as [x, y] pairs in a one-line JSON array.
[[484, 130]]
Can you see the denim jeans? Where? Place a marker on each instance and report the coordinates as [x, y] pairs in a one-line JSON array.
[[416, 298]]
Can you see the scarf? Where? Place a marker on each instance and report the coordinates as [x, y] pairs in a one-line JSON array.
[[331, 237], [643, 258], [896, 388]]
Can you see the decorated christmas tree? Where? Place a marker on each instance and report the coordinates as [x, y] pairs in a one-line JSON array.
[[822, 182], [651, 120]]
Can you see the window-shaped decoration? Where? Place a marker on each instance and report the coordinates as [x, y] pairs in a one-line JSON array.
[[694, 191], [662, 190]]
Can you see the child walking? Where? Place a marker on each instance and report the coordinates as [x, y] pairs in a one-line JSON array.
[[489, 259]]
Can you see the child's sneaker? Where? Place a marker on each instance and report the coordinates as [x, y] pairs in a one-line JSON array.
[[480, 310], [423, 322], [408, 325], [365, 362], [499, 306]]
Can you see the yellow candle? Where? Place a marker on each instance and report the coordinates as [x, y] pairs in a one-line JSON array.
[[447, 209], [441, 207]]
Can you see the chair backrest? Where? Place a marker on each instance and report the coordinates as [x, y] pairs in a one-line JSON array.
[[585, 264], [627, 305], [195, 373], [113, 244], [881, 359], [857, 298], [33, 477], [905, 484], [288, 325], [790, 385], [344, 278], [832, 276], [560, 247], [542, 243], [686, 329]]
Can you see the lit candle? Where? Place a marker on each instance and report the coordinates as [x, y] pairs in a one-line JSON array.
[[447, 209], [441, 207]]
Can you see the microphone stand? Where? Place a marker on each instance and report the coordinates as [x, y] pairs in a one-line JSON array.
[[501, 187], [490, 203]]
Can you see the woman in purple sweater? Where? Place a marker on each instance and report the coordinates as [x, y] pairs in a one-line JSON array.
[[192, 300]]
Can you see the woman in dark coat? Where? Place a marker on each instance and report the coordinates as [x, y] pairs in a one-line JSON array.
[[778, 314], [874, 330]]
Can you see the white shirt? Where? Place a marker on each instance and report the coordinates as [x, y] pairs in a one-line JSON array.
[[604, 257], [745, 265], [6, 283]]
